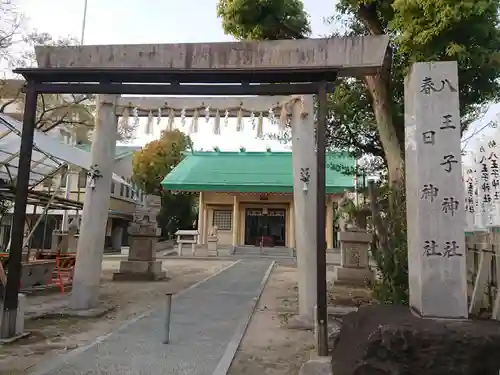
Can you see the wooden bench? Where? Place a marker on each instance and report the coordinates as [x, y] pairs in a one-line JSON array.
[[187, 237]]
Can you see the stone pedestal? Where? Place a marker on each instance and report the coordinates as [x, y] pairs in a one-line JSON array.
[[65, 241], [212, 242], [354, 259], [141, 264], [389, 339], [21, 308]]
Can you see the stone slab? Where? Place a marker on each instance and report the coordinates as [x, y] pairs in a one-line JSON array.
[[389, 339], [14, 338], [317, 366], [59, 308], [437, 269], [351, 55], [341, 310], [352, 276], [355, 236], [136, 270]]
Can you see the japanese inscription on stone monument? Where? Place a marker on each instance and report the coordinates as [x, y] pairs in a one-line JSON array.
[[435, 192]]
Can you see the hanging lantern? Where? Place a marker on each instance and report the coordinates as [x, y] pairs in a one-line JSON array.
[[239, 121], [226, 118], [171, 120], [194, 122], [217, 123], [260, 126]]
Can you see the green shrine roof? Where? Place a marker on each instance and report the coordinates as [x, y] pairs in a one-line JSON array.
[[249, 172]]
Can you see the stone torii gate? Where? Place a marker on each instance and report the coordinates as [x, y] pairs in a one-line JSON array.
[[296, 111], [224, 69]]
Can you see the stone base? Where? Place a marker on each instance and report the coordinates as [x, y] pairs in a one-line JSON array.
[[317, 366], [140, 270], [300, 323], [353, 276], [212, 247], [21, 310], [388, 339]]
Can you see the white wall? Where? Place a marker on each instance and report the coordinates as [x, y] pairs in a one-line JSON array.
[[123, 167]]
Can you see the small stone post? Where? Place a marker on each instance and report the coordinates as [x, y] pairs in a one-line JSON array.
[[87, 276], [435, 192], [304, 193]]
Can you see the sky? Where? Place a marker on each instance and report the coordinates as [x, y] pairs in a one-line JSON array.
[[155, 21], [168, 21]]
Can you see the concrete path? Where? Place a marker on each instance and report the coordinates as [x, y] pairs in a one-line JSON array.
[[207, 324]]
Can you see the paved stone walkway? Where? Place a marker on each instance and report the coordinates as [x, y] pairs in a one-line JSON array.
[[205, 321]]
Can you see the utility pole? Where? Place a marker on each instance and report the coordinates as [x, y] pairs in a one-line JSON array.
[[84, 22]]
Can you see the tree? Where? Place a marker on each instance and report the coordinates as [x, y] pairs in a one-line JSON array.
[[264, 19], [74, 113], [17, 50], [11, 24], [423, 30], [367, 113], [151, 165]]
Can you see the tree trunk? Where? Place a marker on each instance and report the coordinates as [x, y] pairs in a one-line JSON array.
[[392, 142]]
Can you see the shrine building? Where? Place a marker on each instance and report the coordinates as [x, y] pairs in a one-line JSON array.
[[248, 196]]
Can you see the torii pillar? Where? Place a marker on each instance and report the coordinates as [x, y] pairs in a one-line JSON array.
[[304, 198], [87, 276]]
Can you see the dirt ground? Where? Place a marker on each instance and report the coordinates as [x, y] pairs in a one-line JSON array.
[[270, 349], [53, 336]]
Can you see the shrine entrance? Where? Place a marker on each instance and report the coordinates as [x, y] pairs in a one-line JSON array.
[[265, 227], [281, 67]]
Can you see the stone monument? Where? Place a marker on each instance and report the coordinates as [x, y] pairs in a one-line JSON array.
[[143, 237], [435, 192], [393, 339], [354, 262]]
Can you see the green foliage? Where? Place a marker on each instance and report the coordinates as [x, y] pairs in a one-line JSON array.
[[176, 213], [352, 127], [264, 19], [155, 160], [151, 165], [421, 30], [366, 114], [391, 253]]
